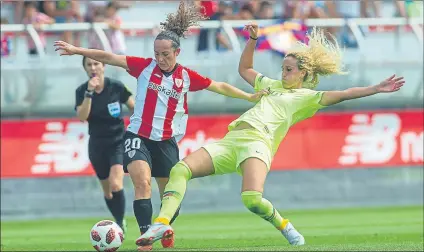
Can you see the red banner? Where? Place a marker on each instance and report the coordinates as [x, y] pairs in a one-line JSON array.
[[51, 148]]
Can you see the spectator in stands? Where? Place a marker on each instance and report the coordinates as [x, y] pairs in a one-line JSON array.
[[7, 82], [312, 9], [95, 8], [114, 34], [289, 8], [6, 43], [35, 80], [12, 11], [93, 39], [207, 7], [266, 11], [309, 9], [407, 8], [63, 12], [255, 6], [367, 5], [221, 42], [246, 12], [348, 9], [32, 16]]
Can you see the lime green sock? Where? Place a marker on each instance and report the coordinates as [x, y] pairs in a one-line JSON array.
[[263, 208], [174, 192]]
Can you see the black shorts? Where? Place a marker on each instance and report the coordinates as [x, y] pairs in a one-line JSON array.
[[160, 155], [103, 154]]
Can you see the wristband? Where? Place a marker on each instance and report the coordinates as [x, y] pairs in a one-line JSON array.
[[89, 94], [253, 38]]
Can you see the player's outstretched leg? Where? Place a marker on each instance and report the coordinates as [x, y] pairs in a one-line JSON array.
[[197, 164], [169, 242], [254, 174], [171, 200]]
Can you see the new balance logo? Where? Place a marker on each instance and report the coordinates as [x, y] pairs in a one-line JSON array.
[[371, 140], [63, 150]]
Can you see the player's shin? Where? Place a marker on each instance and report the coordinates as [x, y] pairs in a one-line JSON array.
[[116, 206], [177, 213], [263, 208], [174, 192], [143, 213]]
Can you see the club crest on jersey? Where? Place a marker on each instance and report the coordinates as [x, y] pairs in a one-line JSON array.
[[178, 82], [114, 109], [131, 153]]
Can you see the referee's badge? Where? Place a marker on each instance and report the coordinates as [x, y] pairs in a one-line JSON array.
[[131, 153], [178, 82], [114, 109]]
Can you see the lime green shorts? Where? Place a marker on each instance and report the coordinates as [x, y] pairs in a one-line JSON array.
[[238, 145]]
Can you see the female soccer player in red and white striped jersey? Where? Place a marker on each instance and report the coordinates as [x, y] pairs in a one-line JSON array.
[[160, 114]]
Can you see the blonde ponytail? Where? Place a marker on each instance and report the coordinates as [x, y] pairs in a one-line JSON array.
[[318, 57]]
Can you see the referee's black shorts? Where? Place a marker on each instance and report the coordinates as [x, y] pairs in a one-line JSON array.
[[103, 154], [160, 155]]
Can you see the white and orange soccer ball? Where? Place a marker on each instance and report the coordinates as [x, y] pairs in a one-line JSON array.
[[106, 236]]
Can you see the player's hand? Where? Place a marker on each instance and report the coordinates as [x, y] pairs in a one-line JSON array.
[[93, 83], [253, 28], [65, 48], [392, 84], [258, 95]]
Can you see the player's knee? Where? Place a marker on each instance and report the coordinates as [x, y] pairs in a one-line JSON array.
[[116, 185], [142, 185], [180, 170], [252, 200], [107, 194]]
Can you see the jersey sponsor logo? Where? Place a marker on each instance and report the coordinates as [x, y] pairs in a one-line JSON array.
[[168, 92], [114, 109]]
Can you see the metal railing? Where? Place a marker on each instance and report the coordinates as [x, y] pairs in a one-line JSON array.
[[227, 26]]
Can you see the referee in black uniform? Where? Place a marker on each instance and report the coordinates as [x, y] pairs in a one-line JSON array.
[[99, 101]]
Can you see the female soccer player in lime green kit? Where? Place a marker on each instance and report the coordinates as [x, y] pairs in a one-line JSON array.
[[254, 137]]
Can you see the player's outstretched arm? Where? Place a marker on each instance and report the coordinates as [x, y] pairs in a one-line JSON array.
[[245, 69], [99, 55], [392, 84], [230, 91]]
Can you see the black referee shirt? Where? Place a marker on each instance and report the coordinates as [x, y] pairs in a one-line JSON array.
[[105, 118]]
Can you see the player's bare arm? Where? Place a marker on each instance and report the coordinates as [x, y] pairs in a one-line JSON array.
[[230, 91], [99, 55], [245, 69], [392, 84]]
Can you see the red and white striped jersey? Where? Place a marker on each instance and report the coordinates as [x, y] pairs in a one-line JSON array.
[[161, 110]]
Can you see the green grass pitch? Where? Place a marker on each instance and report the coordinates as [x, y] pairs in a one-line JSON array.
[[364, 229]]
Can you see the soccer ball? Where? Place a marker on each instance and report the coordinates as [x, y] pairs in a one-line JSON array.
[[107, 236]]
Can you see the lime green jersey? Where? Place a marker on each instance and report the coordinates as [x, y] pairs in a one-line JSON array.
[[275, 113]]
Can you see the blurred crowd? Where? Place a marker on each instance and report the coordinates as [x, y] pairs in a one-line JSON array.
[[299, 9], [48, 12], [292, 9]]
